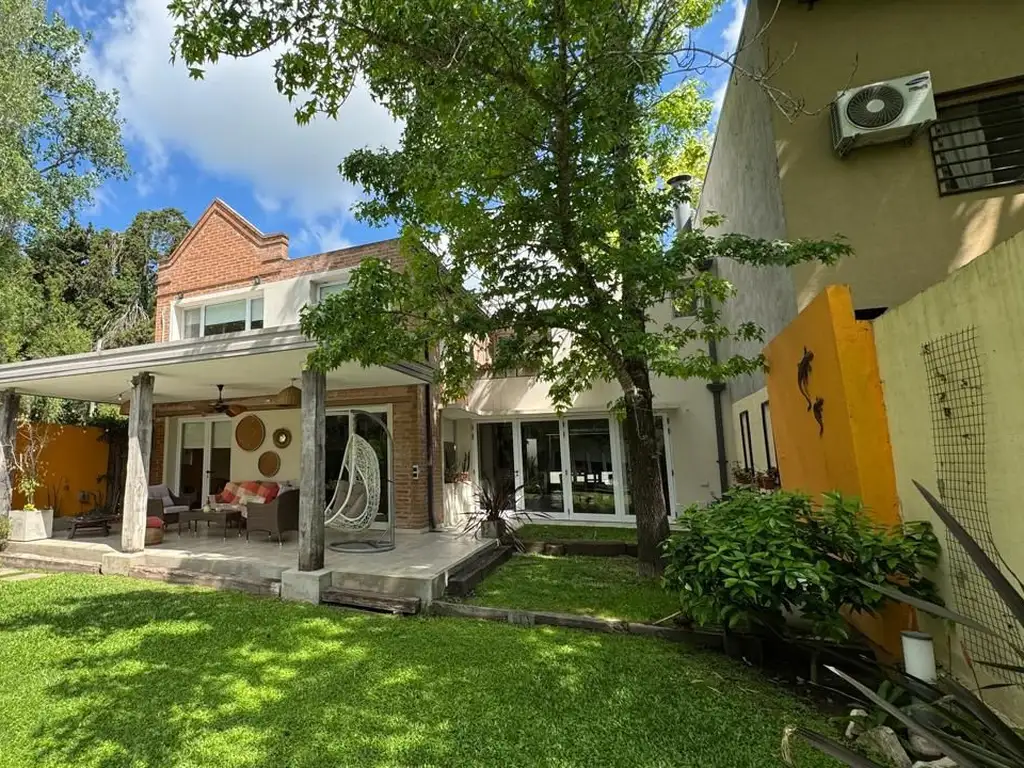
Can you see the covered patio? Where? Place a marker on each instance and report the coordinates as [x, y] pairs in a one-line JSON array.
[[160, 384]]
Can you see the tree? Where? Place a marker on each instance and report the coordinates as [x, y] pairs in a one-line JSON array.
[[59, 134], [530, 189]]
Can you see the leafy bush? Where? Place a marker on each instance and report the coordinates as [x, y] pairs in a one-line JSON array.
[[5, 530], [752, 557]]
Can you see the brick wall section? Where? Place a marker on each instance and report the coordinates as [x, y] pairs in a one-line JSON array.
[[156, 453], [225, 251], [408, 430]]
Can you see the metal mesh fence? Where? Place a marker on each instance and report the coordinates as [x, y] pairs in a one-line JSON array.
[[956, 396]]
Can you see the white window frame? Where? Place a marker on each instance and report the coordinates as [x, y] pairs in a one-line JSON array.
[[247, 298], [328, 284], [621, 515], [207, 422]]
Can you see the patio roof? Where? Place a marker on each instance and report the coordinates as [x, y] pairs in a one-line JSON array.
[[247, 363]]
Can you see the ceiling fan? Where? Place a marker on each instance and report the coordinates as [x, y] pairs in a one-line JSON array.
[[220, 406]]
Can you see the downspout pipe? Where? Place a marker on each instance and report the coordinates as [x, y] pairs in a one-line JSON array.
[[428, 415], [683, 216]]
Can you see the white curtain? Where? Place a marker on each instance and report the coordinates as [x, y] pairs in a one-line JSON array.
[[954, 140]]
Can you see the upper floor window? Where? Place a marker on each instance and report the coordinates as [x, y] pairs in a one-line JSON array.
[[329, 289], [978, 141], [222, 317]]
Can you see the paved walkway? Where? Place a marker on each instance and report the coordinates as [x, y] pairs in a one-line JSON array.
[[13, 574]]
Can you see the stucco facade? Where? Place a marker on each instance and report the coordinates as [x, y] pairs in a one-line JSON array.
[[776, 175], [980, 403]]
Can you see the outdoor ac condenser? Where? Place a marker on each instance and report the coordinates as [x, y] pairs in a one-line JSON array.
[[892, 110]]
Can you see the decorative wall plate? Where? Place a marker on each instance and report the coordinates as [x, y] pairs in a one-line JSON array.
[[250, 433], [282, 437], [269, 464]]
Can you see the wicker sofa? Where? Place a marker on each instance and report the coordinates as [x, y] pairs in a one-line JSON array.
[[265, 506]]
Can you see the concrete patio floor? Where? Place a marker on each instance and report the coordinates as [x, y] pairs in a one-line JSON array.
[[418, 566]]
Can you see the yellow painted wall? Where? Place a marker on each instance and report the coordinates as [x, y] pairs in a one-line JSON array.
[[988, 296], [851, 453], [885, 198], [73, 461]]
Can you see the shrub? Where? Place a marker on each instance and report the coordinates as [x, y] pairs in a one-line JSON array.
[[5, 530], [752, 557]]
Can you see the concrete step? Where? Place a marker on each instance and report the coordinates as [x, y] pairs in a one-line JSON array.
[[46, 563], [84, 551], [373, 601], [465, 578], [262, 587]]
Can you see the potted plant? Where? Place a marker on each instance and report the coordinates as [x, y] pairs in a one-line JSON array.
[[29, 523], [495, 515]]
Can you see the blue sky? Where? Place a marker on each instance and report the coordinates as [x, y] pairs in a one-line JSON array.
[[232, 136]]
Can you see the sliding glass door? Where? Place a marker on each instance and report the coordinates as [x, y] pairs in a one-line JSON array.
[[565, 468], [204, 457], [370, 428]]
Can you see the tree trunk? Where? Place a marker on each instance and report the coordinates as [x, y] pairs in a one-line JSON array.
[[645, 482]]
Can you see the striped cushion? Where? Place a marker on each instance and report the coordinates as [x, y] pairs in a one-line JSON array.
[[250, 491]]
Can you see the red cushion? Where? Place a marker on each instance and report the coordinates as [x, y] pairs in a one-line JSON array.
[[229, 495], [154, 522], [268, 492]]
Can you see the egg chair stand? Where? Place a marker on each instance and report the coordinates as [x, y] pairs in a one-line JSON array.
[[355, 502]]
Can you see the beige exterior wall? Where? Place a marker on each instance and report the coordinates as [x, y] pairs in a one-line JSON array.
[[988, 296], [742, 184], [885, 199]]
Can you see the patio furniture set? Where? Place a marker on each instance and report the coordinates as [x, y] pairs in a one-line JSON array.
[[266, 507]]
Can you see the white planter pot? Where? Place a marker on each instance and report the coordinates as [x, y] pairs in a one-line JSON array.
[[458, 504], [31, 524]]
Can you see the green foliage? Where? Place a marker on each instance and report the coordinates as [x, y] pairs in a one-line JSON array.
[[87, 679], [5, 530], [753, 557], [530, 185], [955, 719], [59, 134]]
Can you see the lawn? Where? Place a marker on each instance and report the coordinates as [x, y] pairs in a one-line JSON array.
[[103, 671], [541, 532], [607, 587]]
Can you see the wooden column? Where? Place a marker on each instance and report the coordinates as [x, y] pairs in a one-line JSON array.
[[8, 434], [136, 481], [312, 471]]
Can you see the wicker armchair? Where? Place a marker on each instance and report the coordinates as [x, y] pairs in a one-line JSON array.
[[275, 517], [166, 505]]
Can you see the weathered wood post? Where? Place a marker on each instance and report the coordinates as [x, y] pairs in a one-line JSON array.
[[136, 481], [312, 470], [9, 402]]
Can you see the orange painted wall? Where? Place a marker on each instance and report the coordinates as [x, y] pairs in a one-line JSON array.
[[851, 452], [74, 460]]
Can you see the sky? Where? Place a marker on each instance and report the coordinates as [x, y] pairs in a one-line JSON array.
[[233, 136]]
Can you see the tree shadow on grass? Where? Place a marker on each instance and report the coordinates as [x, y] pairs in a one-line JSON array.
[[157, 676]]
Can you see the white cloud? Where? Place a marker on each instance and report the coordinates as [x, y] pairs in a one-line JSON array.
[[233, 123], [731, 33]]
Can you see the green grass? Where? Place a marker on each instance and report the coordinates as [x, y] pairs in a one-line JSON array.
[[607, 587], [104, 671], [541, 532]]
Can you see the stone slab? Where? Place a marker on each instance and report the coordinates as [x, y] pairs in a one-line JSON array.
[[304, 586]]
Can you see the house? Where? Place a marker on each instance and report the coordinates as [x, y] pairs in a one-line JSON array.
[[913, 210], [228, 348]]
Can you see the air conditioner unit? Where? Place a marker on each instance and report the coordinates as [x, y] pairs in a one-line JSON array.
[[892, 110]]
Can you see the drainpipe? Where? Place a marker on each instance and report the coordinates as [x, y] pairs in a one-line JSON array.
[[683, 216], [428, 414]]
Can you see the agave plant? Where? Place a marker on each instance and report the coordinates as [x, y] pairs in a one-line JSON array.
[[953, 718]]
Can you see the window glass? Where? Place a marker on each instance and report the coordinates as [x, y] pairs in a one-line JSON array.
[[192, 319], [329, 289], [225, 318], [256, 313], [979, 144]]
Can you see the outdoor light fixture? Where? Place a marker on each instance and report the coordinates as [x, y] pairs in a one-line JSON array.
[[257, 280], [919, 656], [180, 296]]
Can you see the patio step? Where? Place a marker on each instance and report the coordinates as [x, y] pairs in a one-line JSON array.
[[44, 563], [254, 586], [470, 573], [374, 601]]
